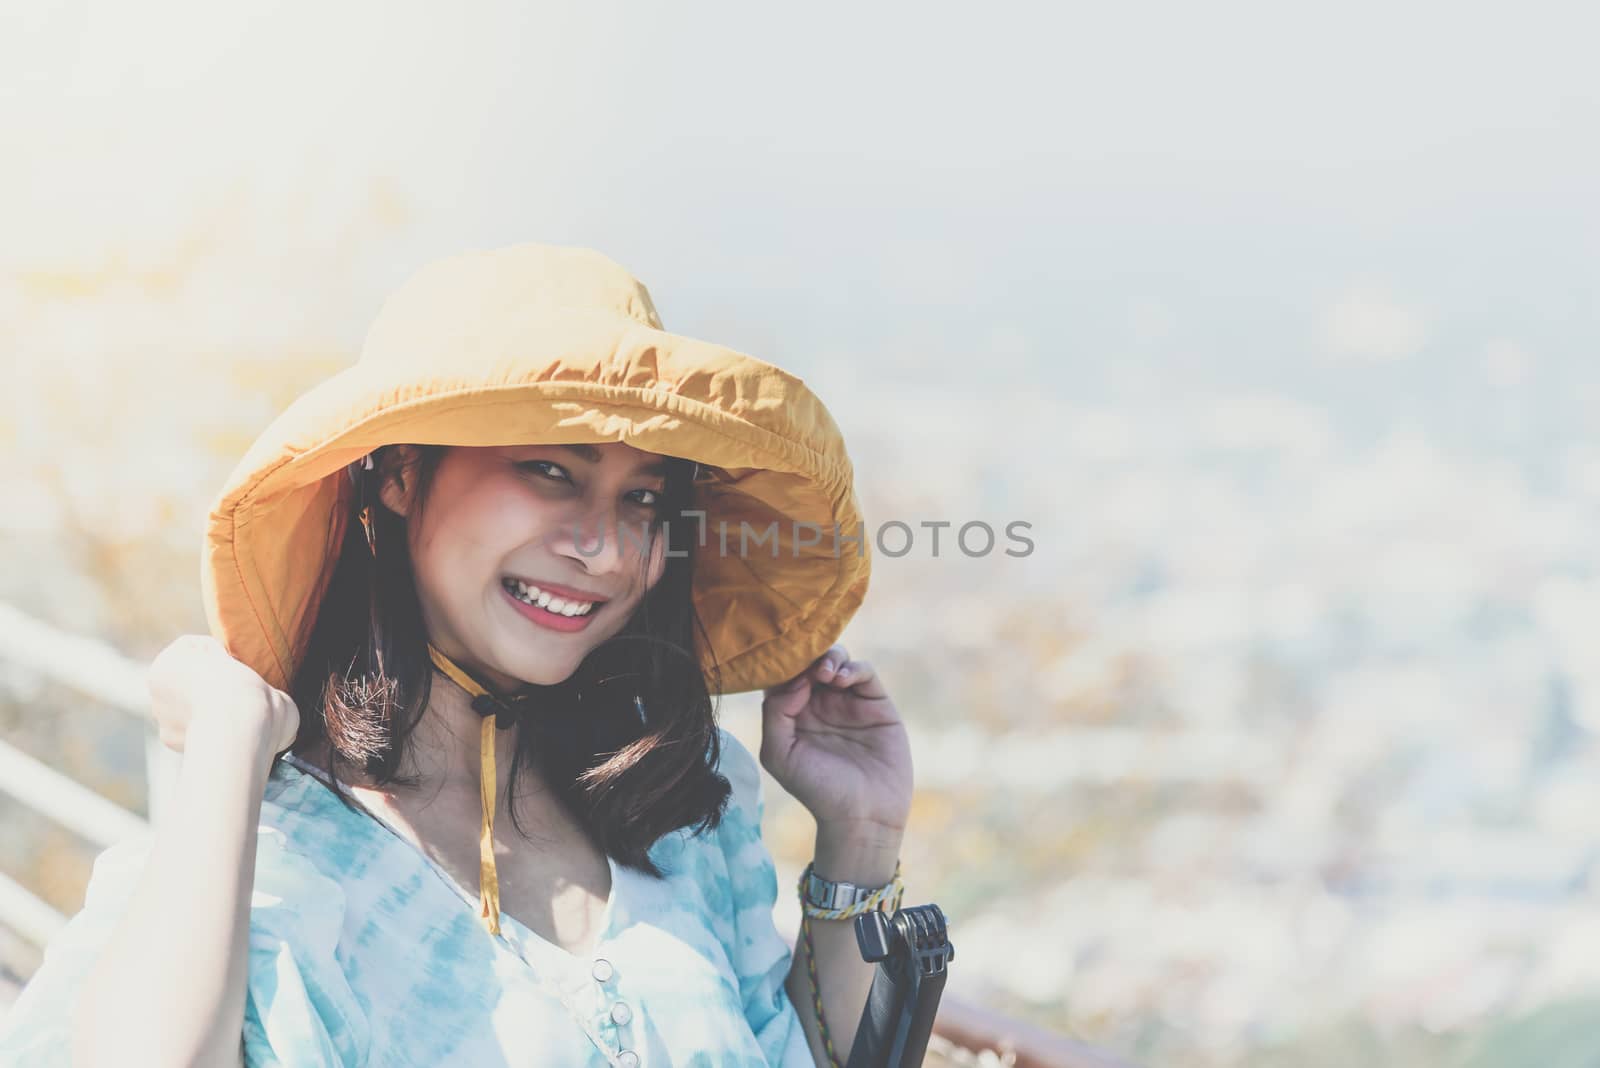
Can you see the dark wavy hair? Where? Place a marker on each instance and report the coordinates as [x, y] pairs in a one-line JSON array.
[[366, 676]]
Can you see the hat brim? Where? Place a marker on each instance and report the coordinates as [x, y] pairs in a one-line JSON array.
[[546, 374]]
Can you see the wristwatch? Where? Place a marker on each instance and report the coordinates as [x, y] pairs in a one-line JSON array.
[[826, 894]]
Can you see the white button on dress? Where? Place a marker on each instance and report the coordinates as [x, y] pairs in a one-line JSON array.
[[620, 1013], [603, 970], [628, 1058]]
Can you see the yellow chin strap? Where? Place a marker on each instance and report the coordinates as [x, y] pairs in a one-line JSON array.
[[488, 881]]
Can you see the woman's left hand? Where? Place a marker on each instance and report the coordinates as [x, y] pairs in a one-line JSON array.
[[834, 740]]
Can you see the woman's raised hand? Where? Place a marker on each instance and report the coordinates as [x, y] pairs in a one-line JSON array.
[[832, 738], [196, 685]]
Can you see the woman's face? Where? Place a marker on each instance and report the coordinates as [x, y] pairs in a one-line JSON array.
[[506, 525]]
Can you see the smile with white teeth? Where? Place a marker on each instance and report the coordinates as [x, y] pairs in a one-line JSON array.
[[535, 596]]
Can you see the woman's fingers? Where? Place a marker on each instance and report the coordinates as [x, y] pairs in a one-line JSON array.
[[854, 673], [836, 666], [829, 662], [196, 676]]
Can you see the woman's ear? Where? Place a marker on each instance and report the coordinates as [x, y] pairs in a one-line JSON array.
[[396, 484]]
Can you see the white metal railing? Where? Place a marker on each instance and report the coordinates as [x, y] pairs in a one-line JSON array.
[[99, 672], [64, 799], [89, 666], [25, 913]]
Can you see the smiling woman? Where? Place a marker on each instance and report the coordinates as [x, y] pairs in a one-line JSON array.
[[448, 560]]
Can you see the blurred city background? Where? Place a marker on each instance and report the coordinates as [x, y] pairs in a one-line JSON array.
[[1279, 325]]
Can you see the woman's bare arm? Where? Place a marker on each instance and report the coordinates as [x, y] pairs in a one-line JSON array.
[[171, 982]]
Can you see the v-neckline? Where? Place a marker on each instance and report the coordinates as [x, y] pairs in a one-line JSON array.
[[523, 932]]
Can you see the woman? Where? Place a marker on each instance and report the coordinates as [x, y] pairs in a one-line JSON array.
[[606, 526]]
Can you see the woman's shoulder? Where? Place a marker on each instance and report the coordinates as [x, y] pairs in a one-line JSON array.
[[305, 814], [738, 765], [732, 892], [743, 856], [296, 918], [727, 865]]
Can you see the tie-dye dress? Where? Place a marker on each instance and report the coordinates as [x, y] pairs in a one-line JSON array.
[[363, 952]]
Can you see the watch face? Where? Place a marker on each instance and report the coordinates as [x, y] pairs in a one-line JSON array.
[[824, 894]]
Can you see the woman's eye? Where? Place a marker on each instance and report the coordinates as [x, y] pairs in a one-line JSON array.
[[544, 467], [538, 465]]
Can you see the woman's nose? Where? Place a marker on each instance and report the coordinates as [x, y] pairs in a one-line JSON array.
[[600, 541]]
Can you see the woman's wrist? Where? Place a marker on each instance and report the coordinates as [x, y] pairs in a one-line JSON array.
[[857, 855], [238, 737]]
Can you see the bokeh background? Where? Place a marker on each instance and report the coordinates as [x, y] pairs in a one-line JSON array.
[[1278, 323]]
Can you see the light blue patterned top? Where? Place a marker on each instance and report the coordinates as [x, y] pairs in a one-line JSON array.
[[363, 952]]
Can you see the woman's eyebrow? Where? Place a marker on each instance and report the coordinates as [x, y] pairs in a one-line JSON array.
[[658, 466]]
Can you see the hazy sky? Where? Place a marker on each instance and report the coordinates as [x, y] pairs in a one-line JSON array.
[[1362, 203]]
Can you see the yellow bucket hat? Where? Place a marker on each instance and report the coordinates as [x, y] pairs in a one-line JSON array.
[[545, 344]]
